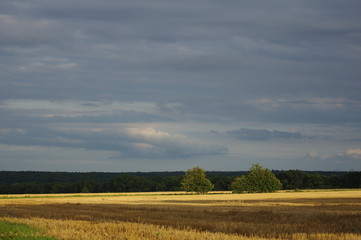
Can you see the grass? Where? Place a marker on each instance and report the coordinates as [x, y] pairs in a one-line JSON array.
[[20, 231], [314, 215]]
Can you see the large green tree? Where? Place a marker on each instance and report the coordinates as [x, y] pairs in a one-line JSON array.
[[258, 180], [195, 180]]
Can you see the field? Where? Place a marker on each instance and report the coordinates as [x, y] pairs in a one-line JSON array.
[[317, 215]]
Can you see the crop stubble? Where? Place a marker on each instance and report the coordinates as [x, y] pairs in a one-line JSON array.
[[297, 215]]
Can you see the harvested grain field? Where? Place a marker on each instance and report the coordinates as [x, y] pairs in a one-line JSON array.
[[314, 215]]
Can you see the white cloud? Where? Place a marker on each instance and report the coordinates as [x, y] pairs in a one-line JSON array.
[[171, 144], [314, 154], [317, 155], [354, 153], [351, 154]]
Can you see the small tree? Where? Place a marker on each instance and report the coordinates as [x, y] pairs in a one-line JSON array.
[[195, 180], [259, 179]]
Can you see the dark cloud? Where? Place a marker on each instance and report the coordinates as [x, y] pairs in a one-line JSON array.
[[187, 46], [181, 63], [264, 134], [129, 142]]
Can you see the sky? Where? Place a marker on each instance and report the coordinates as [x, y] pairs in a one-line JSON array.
[[163, 85]]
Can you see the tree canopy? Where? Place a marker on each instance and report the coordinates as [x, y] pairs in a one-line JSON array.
[[195, 180], [24, 182], [258, 180]]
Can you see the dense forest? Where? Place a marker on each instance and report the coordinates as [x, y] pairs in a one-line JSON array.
[[25, 182]]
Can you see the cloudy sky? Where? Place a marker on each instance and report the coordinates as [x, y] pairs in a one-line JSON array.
[[167, 85]]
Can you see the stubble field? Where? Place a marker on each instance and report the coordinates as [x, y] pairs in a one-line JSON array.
[[317, 215]]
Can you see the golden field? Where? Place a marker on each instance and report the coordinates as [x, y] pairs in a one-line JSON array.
[[317, 215]]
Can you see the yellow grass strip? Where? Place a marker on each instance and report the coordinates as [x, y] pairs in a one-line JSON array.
[[171, 197]]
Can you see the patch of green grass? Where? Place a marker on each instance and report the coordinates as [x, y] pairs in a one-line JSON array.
[[19, 231]]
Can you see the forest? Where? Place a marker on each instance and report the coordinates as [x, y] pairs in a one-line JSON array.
[[26, 182]]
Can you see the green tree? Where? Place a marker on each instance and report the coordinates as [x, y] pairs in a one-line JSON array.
[[292, 179], [315, 181], [258, 180], [85, 190], [195, 180]]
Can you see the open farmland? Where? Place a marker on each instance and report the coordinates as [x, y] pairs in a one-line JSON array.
[[314, 215]]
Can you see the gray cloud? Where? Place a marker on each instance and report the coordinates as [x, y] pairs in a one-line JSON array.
[[98, 126], [264, 134], [182, 64], [164, 46], [129, 142]]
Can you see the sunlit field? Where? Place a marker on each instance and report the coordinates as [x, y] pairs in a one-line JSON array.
[[318, 215]]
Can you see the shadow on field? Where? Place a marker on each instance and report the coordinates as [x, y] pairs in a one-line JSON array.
[[306, 201]]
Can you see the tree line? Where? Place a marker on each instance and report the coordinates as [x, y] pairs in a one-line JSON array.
[[61, 182]]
